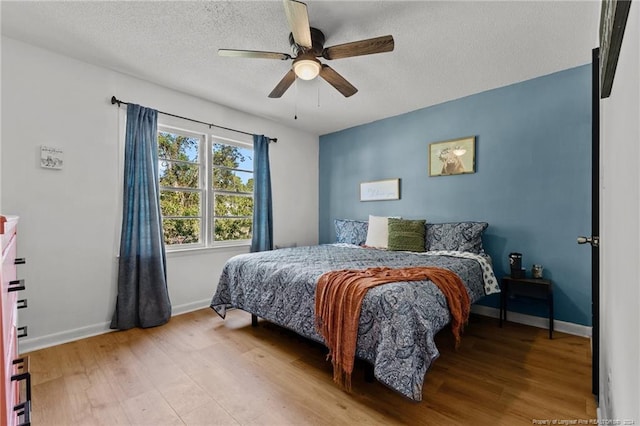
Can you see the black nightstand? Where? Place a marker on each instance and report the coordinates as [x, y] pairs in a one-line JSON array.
[[536, 288]]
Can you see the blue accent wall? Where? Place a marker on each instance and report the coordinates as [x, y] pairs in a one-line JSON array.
[[532, 182]]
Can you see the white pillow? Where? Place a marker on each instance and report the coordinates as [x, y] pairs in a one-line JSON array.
[[378, 232]]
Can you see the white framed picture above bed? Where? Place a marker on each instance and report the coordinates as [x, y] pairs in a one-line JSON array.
[[380, 190]]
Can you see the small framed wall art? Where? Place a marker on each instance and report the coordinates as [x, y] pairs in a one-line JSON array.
[[452, 157], [380, 190], [51, 158]]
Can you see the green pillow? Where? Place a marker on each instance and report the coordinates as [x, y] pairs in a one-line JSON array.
[[406, 235]]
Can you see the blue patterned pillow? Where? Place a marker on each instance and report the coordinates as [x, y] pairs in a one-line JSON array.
[[351, 231], [459, 236]]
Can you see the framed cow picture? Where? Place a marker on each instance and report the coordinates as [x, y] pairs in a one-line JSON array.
[[452, 157]]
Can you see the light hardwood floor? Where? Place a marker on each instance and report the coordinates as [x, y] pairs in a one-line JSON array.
[[201, 370]]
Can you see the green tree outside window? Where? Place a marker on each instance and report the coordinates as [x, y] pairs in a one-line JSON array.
[[182, 194]]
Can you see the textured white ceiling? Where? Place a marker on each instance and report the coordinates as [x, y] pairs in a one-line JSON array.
[[443, 50]]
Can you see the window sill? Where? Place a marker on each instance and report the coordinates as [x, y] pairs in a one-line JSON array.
[[241, 247]]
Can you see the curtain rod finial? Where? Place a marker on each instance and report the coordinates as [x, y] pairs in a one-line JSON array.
[[115, 100]]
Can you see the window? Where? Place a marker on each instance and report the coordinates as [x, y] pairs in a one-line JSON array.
[[232, 186], [206, 189]]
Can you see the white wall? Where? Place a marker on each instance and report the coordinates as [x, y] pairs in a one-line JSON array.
[[70, 218], [620, 235]]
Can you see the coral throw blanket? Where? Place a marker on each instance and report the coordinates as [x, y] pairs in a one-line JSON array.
[[339, 296]]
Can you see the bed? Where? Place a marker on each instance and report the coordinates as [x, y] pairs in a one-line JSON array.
[[398, 321]]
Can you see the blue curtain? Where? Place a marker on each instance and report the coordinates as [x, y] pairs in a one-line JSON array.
[[262, 238], [143, 298]]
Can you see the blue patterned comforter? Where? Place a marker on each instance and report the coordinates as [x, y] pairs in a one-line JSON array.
[[398, 320]]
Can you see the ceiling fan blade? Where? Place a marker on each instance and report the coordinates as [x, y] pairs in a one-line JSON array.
[[283, 85], [298, 22], [253, 54], [337, 81], [358, 48]]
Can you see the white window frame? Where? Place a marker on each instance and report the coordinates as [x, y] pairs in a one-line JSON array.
[[202, 179], [212, 191], [205, 188]]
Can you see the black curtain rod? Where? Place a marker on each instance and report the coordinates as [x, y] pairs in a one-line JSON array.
[[115, 100]]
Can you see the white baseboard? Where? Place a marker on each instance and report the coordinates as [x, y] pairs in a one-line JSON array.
[[35, 343], [190, 307], [562, 326], [32, 344]]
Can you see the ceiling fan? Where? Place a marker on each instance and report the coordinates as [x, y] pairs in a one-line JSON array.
[[307, 44]]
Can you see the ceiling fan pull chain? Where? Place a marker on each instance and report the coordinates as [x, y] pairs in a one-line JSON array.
[[295, 101]]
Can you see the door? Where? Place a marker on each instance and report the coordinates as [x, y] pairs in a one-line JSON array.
[[594, 239], [595, 221]]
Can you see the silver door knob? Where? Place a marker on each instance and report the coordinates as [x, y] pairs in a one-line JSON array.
[[594, 241]]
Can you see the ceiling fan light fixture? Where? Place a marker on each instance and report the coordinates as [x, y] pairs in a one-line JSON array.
[[307, 43], [307, 69]]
